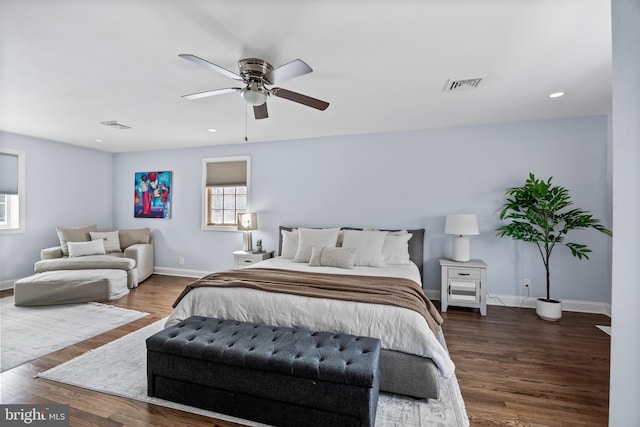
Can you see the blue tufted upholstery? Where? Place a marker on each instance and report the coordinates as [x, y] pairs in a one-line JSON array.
[[278, 375]]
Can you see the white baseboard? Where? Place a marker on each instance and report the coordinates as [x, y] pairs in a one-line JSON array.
[[7, 284], [180, 272], [530, 302], [567, 305]]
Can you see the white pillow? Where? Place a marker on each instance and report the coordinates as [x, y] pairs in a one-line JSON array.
[[111, 240], [310, 237], [396, 248], [94, 247], [289, 244], [369, 245], [333, 257]]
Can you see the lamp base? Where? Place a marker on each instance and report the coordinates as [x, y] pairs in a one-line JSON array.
[[247, 244], [460, 249]]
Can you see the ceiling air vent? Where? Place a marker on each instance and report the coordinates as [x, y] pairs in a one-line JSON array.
[[116, 124], [455, 85]]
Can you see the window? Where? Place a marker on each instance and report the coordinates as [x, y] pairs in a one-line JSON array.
[[3, 210], [12, 193], [226, 191]]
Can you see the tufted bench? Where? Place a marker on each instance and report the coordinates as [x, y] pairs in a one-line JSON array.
[[276, 375]]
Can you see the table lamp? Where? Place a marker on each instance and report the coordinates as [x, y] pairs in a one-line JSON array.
[[246, 223], [461, 225]]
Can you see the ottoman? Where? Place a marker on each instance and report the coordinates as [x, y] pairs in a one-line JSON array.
[[70, 286], [274, 375]]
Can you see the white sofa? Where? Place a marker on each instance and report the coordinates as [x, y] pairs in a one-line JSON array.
[[89, 265], [128, 250]]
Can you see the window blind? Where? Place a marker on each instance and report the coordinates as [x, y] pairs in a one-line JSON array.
[[227, 173], [8, 173]]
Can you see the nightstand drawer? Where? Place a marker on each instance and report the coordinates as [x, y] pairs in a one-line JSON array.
[[243, 261], [464, 273]]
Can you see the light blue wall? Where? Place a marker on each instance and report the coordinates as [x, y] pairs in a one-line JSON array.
[[625, 345], [65, 185], [404, 180]]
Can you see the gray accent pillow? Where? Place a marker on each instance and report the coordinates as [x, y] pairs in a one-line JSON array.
[[133, 236], [111, 240], [333, 257], [74, 234], [93, 247]]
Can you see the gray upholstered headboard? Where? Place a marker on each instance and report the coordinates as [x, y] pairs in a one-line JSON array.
[[416, 245]]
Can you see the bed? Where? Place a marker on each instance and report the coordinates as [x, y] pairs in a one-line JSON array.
[[412, 358]]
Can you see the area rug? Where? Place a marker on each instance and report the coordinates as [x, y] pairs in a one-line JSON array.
[[27, 333], [105, 370]]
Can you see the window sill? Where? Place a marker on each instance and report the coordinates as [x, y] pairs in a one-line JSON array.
[[219, 228]]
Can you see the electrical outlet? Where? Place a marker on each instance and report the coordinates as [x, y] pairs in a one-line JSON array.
[[181, 260], [527, 283]]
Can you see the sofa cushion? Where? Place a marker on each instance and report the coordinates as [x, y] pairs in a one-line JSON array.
[[133, 236], [111, 240], [89, 262], [74, 234]]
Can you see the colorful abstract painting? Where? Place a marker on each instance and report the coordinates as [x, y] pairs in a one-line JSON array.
[[152, 195]]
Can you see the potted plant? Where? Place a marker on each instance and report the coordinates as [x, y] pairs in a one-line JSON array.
[[259, 244], [541, 213]]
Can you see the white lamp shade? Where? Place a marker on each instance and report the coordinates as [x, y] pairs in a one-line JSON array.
[[461, 224], [247, 221]]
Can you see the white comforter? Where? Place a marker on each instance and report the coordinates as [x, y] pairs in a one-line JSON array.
[[398, 328]]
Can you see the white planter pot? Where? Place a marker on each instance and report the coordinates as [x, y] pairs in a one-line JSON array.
[[549, 310]]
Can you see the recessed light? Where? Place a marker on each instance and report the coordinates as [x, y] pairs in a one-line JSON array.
[[98, 140], [556, 95], [211, 130]]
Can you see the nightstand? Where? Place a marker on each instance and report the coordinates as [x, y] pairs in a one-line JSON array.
[[463, 284], [244, 259]]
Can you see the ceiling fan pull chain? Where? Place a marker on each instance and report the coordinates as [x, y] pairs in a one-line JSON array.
[[246, 119]]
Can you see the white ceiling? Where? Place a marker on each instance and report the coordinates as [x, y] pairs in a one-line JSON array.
[[67, 65]]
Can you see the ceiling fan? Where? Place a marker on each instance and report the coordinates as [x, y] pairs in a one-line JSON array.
[[256, 74]]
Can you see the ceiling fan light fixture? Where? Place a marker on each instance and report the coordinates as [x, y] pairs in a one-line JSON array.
[[256, 73], [254, 96]]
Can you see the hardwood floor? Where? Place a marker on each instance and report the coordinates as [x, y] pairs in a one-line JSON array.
[[513, 368]]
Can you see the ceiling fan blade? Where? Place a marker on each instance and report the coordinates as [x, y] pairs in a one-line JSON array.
[[299, 98], [260, 111], [210, 66], [287, 71], [211, 93]]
